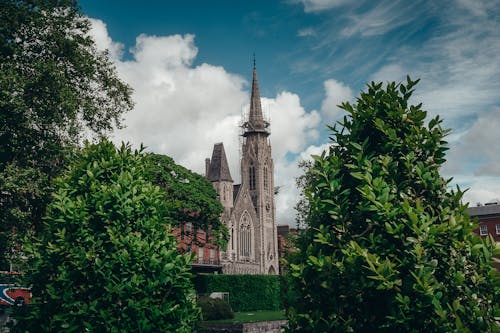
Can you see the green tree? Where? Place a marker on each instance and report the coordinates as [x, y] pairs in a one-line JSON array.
[[389, 248], [54, 84], [302, 205], [106, 260], [190, 197]]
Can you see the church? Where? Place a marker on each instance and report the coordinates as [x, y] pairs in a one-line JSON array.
[[249, 207]]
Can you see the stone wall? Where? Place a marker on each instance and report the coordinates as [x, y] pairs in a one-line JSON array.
[[236, 267], [275, 326]]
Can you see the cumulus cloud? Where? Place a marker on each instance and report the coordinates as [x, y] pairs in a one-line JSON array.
[[103, 42], [477, 152], [289, 193], [336, 92], [182, 110]]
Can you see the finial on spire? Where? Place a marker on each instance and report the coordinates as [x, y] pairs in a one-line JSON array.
[[254, 66]]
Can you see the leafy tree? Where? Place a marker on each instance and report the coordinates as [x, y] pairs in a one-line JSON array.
[[191, 197], [389, 248], [106, 260], [54, 84], [302, 205]]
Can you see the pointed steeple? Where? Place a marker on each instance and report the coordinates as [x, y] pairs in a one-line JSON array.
[[256, 122], [218, 170]]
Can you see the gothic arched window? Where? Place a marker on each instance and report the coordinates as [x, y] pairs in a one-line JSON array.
[[251, 175], [245, 237]]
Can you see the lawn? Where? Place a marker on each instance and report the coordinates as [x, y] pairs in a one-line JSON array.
[[253, 316]]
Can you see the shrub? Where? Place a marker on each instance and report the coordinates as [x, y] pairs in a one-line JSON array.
[[246, 292], [389, 248], [106, 260], [214, 308]]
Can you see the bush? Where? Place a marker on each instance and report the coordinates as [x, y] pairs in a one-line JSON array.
[[246, 292], [106, 260], [214, 308], [389, 248]]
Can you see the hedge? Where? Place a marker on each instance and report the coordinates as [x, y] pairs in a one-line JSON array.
[[246, 292]]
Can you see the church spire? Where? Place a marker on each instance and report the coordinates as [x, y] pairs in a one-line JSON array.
[[256, 122]]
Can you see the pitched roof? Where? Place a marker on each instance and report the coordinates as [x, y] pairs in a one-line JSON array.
[[219, 168], [484, 210]]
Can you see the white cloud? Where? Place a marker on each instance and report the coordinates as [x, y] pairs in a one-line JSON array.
[[482, 191], [459, 68], [285, 178], [476, 7], [319, 5], [384, 17], [306, 32], [99, 32], [182, 110], [477, 150], [390, 73], [335, 93]]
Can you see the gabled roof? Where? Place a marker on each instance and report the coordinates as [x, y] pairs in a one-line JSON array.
[[219, 168]]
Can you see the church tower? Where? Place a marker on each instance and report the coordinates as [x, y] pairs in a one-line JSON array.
[[257, 174], [217, 171], [249, 210]]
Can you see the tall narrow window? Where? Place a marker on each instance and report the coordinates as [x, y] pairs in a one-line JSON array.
[[266, 178], [212, 256], [200, 255], [232, 238], [245, 237], [251, 174]]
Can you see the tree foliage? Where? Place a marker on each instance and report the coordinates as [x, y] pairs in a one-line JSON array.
[[54, 84], [389, 248], [302, 205], [191, 197], [106, 260]]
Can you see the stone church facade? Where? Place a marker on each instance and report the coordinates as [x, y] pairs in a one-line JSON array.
[[249, 207]]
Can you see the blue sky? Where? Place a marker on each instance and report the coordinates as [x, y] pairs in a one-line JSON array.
[[190, 62]]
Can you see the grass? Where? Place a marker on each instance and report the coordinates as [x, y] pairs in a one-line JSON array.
[[253, 316]]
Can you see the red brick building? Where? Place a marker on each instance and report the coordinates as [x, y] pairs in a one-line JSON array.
[[201, 243], [488, 216], [283, 247]]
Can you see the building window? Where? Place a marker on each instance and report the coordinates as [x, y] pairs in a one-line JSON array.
[[212, 256], [189, 227], [245, 237], [266, 178], [498, 229], [251, 173], [200, 255], [483, 230], [232, 238]]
